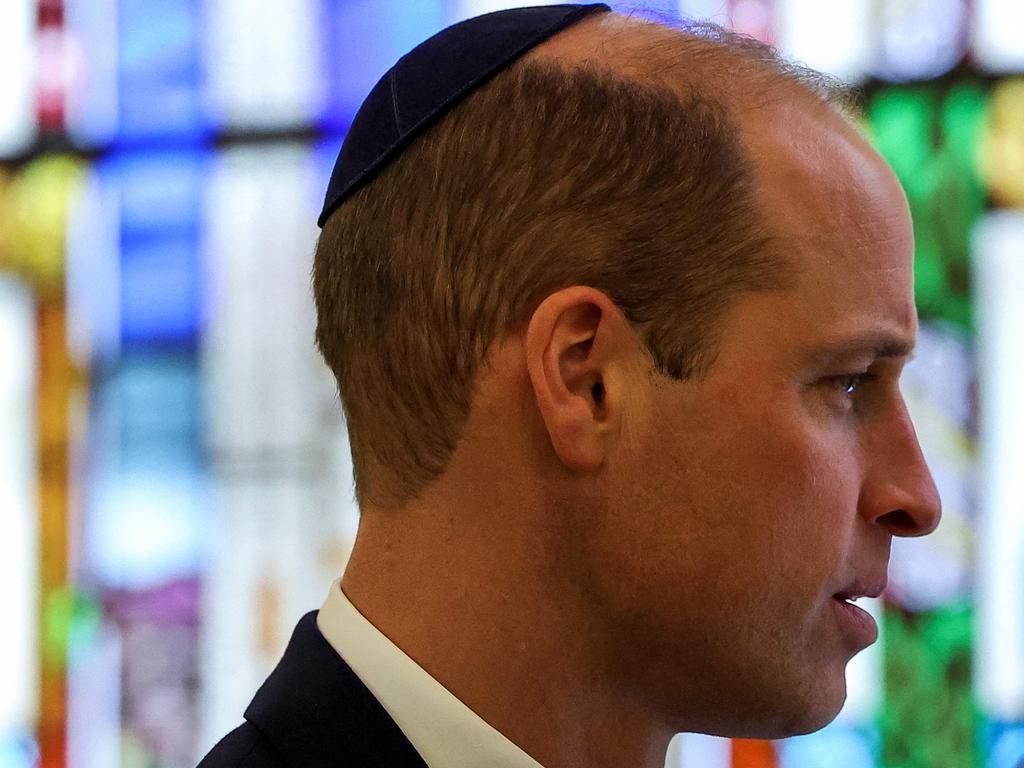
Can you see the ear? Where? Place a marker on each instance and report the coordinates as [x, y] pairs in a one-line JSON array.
[[576, 347]]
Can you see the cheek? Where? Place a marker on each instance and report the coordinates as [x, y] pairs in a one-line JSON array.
[[743, 507], [807, 506], [773, 499]]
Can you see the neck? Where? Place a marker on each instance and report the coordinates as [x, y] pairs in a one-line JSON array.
[[478, 602]]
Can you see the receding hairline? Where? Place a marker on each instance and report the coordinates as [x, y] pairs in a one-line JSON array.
[[743, 73]]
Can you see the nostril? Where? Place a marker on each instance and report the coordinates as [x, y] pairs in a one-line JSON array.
[[901, 523]]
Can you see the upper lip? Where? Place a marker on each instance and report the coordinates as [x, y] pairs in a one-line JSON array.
[[867, 587]]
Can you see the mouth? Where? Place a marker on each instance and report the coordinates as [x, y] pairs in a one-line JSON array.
[[867, 587], [857, 624]]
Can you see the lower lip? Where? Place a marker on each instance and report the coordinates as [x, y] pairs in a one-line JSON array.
[[858, 623]]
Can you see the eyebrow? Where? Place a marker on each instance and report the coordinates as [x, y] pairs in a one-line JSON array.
[[879, 345]]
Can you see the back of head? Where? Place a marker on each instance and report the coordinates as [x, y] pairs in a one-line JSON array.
[[626, 172]]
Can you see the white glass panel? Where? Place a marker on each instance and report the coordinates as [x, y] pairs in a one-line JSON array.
[[94, 701], [17, 63], [754, 18], [999, 34], [264, 64], [278, 548], [864, 675], [918, 39], [283, 518], [711, 10], [830, 37], [697, 750], [92, 272], [91, 50], [146, 526], [18, 508], [260, 236], [999, 285], [934, 571]]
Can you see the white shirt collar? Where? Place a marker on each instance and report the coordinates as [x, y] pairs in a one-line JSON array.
[[445, 732]]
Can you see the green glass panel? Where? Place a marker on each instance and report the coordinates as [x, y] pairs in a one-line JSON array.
[[929, 718], [85, 624], [69, 621], [58, 612], [931, 141]]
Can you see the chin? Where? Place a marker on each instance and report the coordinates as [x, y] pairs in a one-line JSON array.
[[801, 715], [804, 710], [804, 724], [779, 725], [765, 701], [812, 714]]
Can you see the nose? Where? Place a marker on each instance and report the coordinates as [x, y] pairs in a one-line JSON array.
[[899, 492]]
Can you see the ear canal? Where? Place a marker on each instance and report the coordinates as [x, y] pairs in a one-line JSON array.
[[598, 392]]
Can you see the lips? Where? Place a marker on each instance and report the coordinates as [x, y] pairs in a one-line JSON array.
[[863, 587], [857, 624]]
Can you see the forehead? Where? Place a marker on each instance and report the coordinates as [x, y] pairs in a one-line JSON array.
[[839, 215]]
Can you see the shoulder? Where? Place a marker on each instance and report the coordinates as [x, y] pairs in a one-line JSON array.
[[247, 747], [244, 747], [313, 711]]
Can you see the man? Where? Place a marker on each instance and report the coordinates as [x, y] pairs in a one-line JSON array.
[[617, 327]]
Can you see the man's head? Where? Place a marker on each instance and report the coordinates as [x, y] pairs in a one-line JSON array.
[[599, 298], [625, 133]]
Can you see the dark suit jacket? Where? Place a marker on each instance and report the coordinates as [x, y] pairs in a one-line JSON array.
[[313, 712]]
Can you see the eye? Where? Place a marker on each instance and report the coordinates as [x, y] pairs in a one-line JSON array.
[[849, 383]]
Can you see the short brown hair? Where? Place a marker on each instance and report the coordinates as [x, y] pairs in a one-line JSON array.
[[547, 177]]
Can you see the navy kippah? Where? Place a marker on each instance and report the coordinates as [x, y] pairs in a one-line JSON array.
[[432, 78]]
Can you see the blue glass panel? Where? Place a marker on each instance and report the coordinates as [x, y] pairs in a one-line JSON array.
[[146, 496], [159, 58], [1006, 742], [835, 746], [159, 190], [161, 199], [18, 750], [325, 153], [651, 8], [160, 290], [367, 38]]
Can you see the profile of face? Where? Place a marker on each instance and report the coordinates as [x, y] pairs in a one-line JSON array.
[[743, 503]]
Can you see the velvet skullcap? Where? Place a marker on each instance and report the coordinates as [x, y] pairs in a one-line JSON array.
[[431, 79]]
